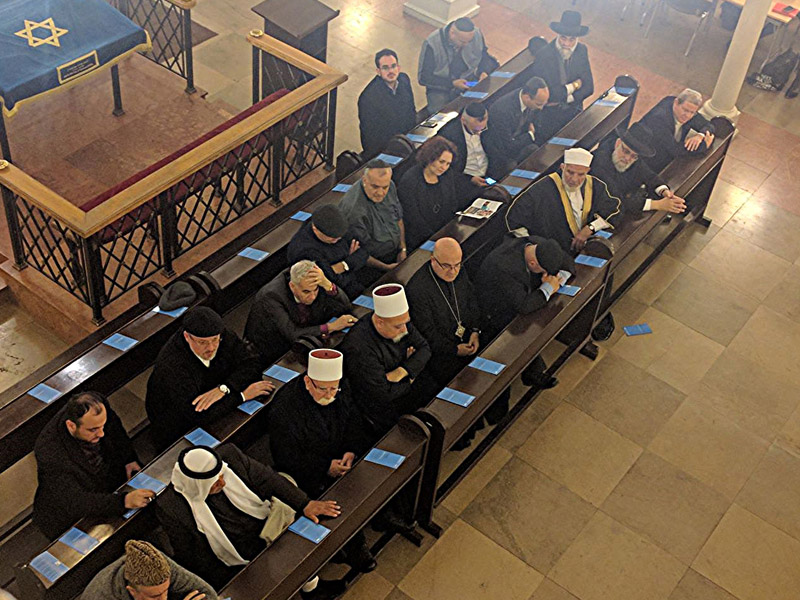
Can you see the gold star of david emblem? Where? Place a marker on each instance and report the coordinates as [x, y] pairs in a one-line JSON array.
[[47, 24]]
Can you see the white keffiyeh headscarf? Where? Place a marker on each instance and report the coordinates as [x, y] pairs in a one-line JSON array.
[[193, 475]]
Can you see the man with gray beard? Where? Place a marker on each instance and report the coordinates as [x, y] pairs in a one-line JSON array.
[[616, 162], [564, 65]]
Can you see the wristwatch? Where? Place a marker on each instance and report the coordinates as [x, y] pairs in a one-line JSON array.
[[592, 228], [224, 389]]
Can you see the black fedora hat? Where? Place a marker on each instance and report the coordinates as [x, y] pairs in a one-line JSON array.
[[637, 139], [570, 24]]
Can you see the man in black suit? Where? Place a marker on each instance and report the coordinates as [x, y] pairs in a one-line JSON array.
[[82, 456], [476, 156], [678, 130], [564, 65], [515, 118], [386, 106]]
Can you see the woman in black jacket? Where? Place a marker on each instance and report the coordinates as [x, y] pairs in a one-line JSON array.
[[427, 191]]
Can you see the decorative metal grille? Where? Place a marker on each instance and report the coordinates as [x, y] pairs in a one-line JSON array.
[[222, 192], [165, 23], [52, 249], [305, 140]]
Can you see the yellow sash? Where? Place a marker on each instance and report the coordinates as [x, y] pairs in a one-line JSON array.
[[587, 202]]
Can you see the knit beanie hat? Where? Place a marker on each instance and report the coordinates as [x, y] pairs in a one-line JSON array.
[[144, 564]]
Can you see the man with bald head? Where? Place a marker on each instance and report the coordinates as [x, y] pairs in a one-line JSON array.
[[375, 217], [444, 307]]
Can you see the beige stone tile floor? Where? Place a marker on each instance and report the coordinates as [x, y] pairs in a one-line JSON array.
[[670, 467]]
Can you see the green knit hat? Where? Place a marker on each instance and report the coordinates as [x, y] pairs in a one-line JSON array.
[[144, 564]]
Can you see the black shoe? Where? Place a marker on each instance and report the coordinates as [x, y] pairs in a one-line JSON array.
[[590, 350], [539, 380], [604, 329], [327, 589], [362, 560], [464, 442], [394, 523]]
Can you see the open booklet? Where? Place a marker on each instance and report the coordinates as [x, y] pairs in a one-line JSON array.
[[481, 209]]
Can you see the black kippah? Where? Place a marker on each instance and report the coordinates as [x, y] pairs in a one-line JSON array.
[[330, 221], [475, 110], [549, 256], [203, 322], [465, 24]]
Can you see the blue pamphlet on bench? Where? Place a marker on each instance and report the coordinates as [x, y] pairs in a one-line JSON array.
[[384, 458], [49, 566], [281, 373], [456, 397], [305, 527], [143, 481], [78, 540], [200, 437], [590, 261], [486, 365]]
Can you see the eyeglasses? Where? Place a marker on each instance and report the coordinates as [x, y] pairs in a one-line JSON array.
[[328, 391], [206, 342], [447, 266]]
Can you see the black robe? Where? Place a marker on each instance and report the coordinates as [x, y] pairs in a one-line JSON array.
[[637, 183], [368, 357], [541, 212], [383, 113], [506, 287], [661, 121], [426, 207], [434, 319], [509, 131], [192, 550], [179, 377], [304, 436], [69, 488], [275, 321], [306, 245]]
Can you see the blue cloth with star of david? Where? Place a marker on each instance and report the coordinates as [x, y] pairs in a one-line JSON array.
[[45, 44]]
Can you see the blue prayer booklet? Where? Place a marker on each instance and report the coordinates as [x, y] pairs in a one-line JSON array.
[[641, 329], [200, 437], [503, 74], [45, 393], [590, 261], [281, 373], [471, 83], [301, 215], [456, 397], [365, 301], [476, 95], [389, 158], [120, 342], [512, 189], [428, 245], [607, 102], [486, 365], [78, 540], [49, 566], [342, 187], [250, 407], [525, 174], [563, 141], [345, 330], [568, 290], [254, 254], [384, 458], [172, 313], [143, 481], [305, 527], [416, 137], [603, 234]]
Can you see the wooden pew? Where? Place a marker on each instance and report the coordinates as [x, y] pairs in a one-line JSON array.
[[98, 367], [527, 335], [238, 274]]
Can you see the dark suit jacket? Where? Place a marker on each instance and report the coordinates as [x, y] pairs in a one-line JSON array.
[[192, 550], [577, 67], [454, 131], [506, 134], [661, 122], [68, 490], [383, 113]]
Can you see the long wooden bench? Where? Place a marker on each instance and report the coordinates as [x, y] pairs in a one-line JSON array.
[[526, 336], [595, 123], [93, 366]]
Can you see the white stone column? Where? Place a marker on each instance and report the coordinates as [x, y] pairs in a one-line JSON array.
[[440, 12], [737, 61]]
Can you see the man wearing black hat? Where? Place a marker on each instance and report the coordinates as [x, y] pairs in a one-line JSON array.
[[616, 162], [202, 372], [450, 58], [476, 156], [515, 118], [517, 278], [324, 239], [564, 65], [297, 304]]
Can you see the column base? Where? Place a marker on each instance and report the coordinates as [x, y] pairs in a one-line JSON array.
[[709, 111], [440, 12]]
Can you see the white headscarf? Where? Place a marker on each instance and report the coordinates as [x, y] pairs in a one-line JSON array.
[[193, 475]]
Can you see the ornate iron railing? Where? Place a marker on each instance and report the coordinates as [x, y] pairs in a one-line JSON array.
[[99, 254], [169, 23]]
